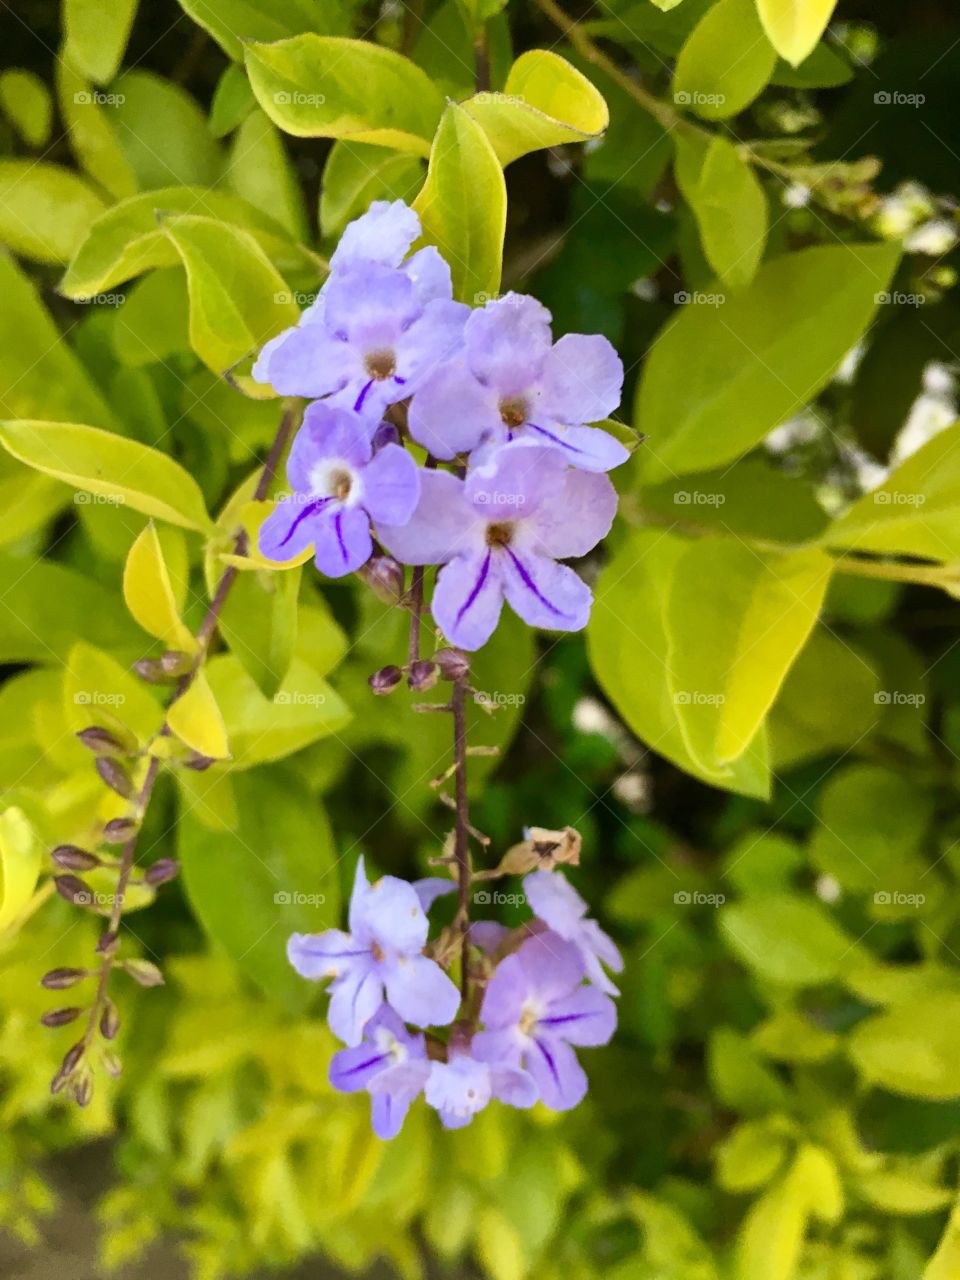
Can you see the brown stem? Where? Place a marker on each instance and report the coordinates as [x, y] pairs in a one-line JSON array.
[[461, 839], [416, 614], [481, 55], [204, 636]]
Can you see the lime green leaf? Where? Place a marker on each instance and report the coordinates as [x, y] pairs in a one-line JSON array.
[[545, 102], [100, 462], [230, 22], [45, 606], [195, 719], [260, 171], [463, 205], [259, 729], [945, 1263], [96, 33], [25, 100], [148, 587], [729, 205], [725, 62], [273, 876], [20, 857], [914, 511], [737, 618], [356, 174], [99, 690], [825, 68], [163, 132], [326, 87], [750, 1156], [237, 297], [92, 126], [719, 378], [899, 1193], [740, 1078], [912, 1048], [152, 325], [127, 240], [787, 940], [631, 641], [45, 211], [233, 101], [259, 623], [795, 26]]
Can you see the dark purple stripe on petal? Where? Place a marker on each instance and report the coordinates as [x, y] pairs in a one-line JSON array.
[[529, 583], [366, 1065], [402, 381], [310, 509], [358, 405], [556, 439], [548, 1059], [337, 524], [567, 1017], [477, 588]]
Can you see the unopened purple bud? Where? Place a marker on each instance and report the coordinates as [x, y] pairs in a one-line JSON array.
[[422, 676], [101, 741], [71, 858], [162, 871], [385, 680], [176, 663], [70, 1060], [73, 890], [60, 979], [145, 973], [386, 433], [198, 762], [59, 1017], [115, 776], [151, 670], [83, 1090], [453, 664], [109, 1021], [384, 576], [106, 942], [111, 1063], [119, 830]]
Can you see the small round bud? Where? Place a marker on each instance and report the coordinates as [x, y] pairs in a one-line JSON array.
[[61, 979], [71, 858], [83, 1090], [109, 1021], [452, 664], [385, 680], [115, 776], [111, 1063], [106, 942], [422, 676], [145, 973], [162, 871], [384, 576], [70, 1060], [73, 890], [176, 663], [386, 433], [101, 741], [151, 670], [198, 762], [59, 1017], [119, 830]]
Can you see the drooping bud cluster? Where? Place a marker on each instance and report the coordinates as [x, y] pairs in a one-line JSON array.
[[485, 390]]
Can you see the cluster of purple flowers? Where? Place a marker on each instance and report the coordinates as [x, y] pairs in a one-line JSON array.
[[484, 389], [547, 994]]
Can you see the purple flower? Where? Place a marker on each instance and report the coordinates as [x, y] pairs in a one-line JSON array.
[[513, 383], [554, 900], [393, 1058], [499, 535], [535, 1009], [377, 329], [339, 484], [463, 1085], [383, 950]]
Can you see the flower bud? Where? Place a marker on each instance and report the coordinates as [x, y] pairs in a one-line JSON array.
[[162, 871], [70, 1060], [176, 663], [111, 1063], [83, 1090], [60, 979], [59, 1017], [115, 776], [385, 680], [452, 663], [119, 830], [101, 741], [198, 762], [384, 576], [106, 942], [73, 890], [71, 858], [145, 973], [109, 1021], [151, 670], [421, 676], [386, 433]]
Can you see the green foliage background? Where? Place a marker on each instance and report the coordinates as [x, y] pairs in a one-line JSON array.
[[757, 737]]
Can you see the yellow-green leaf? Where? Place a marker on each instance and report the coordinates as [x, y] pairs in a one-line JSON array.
[[148, 587], [463, 205], [20, 856], [728, 203], [196, 720], [92, 125], [45, 211], [795, 26], [238, 299], [26, 102], [545, 102], [95, 461], [725, 62], [96, 34]]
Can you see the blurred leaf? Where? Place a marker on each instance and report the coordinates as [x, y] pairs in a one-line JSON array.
[[326, 87], [463, 205], [945, 1262], [729, 204], [545, 102], [273, 876], [912, 1048], [26, 102], [45, 606], [21, 854], [233, 101], [103, 463], [788, 940], [163, 132], [152, 325], [196, 720], [148, 588], [825, 68], [45, 211], [740, 1078], [231, 22], [237, 297], [356, 174], [92, 127], [725, 62], [96, 33], [795, 26], [259, 623], [721, 377], [260, 171]]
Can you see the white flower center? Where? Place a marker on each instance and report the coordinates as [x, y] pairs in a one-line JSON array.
[[336, 478]]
